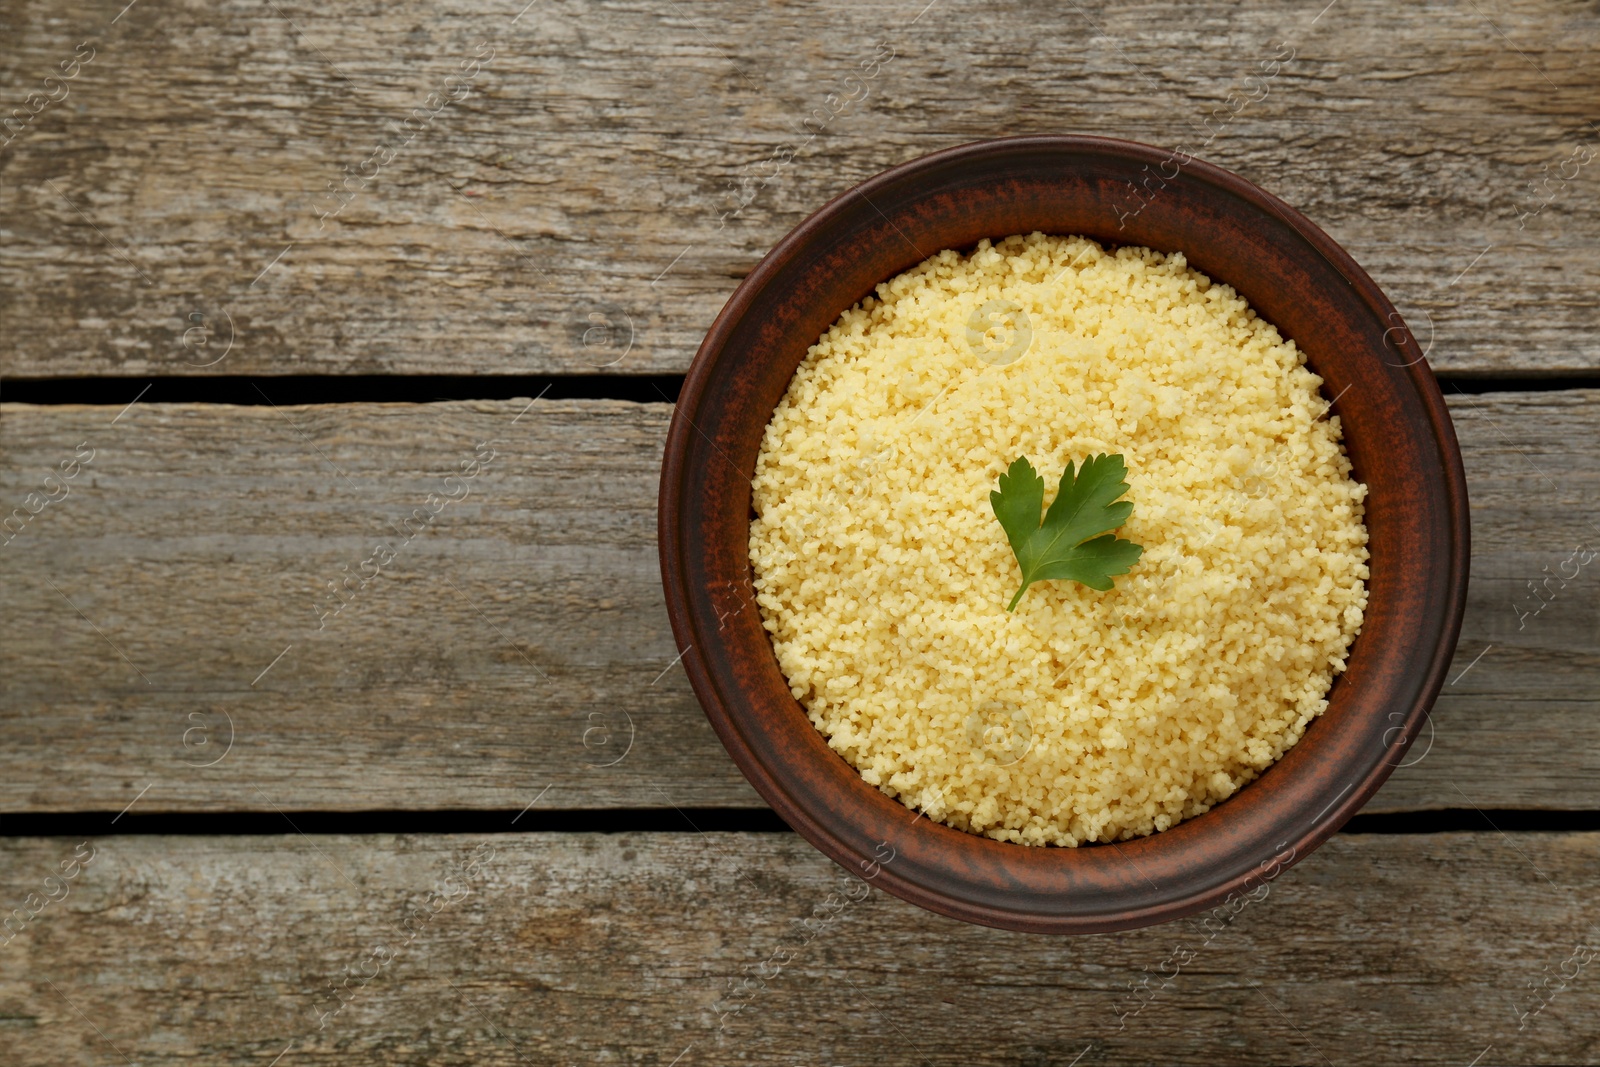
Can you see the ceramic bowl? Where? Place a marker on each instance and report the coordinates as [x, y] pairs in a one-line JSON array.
[[1396, 429]]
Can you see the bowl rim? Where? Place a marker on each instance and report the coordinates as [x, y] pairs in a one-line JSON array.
[[673, 491]]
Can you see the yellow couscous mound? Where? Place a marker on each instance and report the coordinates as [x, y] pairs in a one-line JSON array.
[[882, 573]]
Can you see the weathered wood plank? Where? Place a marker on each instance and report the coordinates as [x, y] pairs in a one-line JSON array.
[[630, 948], [604, 176], [1527, 671], [519, 640], [476, 658]]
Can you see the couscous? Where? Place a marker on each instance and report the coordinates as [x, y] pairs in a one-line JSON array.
[[883, 576]]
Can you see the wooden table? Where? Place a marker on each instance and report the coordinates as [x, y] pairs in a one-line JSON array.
[[271, 272]]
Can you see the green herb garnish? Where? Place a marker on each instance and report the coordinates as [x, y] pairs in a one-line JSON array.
[[1061, 547]]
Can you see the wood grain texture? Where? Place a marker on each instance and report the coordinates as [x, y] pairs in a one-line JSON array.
[[629, 948], [519, 641], [607, 174]]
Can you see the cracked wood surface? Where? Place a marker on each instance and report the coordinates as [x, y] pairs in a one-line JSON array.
[[684, 949], [518, 640], [586, 185]]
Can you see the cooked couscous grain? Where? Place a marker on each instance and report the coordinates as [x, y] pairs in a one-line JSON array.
[[883, 575]]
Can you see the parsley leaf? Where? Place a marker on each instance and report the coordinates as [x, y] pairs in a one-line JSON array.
[[1062, 546]]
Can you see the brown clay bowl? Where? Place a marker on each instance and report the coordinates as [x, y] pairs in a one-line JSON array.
[[1396, 428]]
